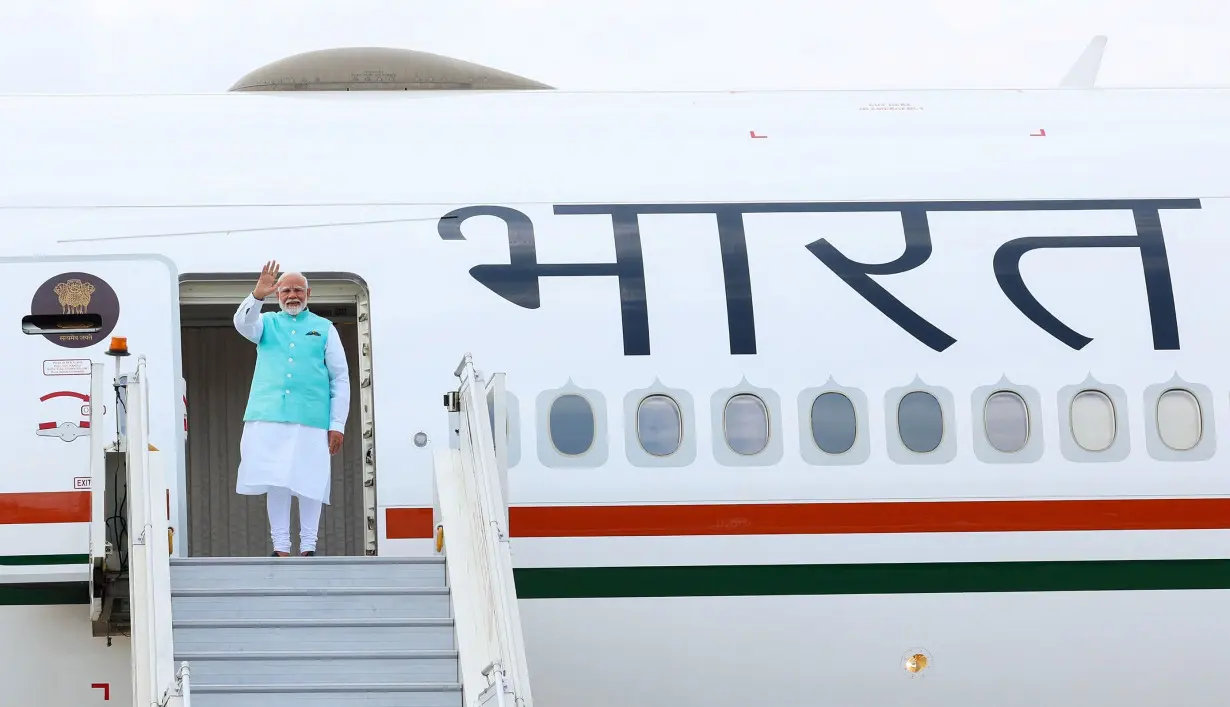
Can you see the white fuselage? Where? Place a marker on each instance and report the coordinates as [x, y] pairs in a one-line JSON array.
[[776, 246]]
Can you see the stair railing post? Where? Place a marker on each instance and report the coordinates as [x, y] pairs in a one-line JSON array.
[[185, 684]]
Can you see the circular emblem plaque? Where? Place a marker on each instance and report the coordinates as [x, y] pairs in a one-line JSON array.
[[77, 293]]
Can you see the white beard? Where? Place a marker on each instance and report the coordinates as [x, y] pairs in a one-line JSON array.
[[292, 309]]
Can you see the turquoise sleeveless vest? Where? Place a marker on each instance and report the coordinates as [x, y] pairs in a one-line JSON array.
[[291, 381]]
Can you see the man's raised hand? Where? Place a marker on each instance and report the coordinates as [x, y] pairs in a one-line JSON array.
[[268, 281]]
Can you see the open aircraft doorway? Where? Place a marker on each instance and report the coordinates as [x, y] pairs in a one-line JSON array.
[[217, 368]]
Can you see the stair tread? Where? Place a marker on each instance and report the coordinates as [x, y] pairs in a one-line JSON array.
[[329, 687], [287, 597], [316, 560], [304, 591], [309, 622], [300, 655]]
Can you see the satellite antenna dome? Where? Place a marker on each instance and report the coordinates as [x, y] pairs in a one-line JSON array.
[[379, 69]]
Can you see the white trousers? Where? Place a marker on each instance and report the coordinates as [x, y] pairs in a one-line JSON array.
[[273, 454], [277, 502]]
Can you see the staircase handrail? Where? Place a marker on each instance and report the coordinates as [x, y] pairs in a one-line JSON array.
[[474, 520], [155, 681]]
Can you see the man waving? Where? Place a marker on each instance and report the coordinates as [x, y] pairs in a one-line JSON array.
[[297, 406]]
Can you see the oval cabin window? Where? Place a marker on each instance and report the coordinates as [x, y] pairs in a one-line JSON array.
[[833, 423], [571, 425], [746, 424], [659, 425], [1093, 420], [1178, 419], [920, 422], [1006, 419]]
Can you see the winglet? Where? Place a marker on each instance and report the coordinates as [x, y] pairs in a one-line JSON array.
[[1084, 73]]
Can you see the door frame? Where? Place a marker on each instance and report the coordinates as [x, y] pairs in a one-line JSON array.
[[327, 288]]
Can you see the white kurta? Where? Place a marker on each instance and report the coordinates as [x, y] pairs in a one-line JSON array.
[[289, 455]]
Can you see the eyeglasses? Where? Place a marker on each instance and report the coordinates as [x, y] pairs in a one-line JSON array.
[[288, 290]]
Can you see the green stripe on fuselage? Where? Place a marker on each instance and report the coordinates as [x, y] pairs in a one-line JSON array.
[[894, 578], [44, 593], [27, 560]]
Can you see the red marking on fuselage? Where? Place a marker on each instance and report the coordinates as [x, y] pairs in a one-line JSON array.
[[84, 424], [65, 394]]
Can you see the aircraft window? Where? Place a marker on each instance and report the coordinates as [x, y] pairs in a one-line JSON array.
[[1093, 420], [659, 425], [571, 424], [920, 422], [1006, 419], [1178, 419], [833, 423], [746, 424]]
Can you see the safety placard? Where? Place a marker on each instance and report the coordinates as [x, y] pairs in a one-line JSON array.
[[66, 367]]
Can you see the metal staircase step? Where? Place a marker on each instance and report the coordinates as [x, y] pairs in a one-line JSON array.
[[334, 603], [316, 631], [307, 572], [329, 695], [289, 634], [354, 560], [307, 668]]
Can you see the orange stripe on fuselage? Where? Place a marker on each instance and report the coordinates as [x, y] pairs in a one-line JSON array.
[[844, 518], [878, 517], [48, 507], [409, 523]]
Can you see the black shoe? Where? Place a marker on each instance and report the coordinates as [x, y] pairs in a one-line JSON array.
[[309, 553]]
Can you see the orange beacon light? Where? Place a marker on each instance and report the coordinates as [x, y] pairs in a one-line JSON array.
[[119, 346]]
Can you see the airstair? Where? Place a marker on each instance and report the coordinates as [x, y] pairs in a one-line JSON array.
[[268, 632], [439, 631]]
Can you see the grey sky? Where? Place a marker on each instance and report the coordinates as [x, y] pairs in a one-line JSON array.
[[62, 46]]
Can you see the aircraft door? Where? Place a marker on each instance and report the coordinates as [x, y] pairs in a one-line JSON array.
[[61, 314]]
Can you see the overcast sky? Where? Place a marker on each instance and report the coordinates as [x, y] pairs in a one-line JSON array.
[[61, 46]]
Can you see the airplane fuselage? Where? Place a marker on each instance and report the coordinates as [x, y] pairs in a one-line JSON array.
[[802, 385]]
